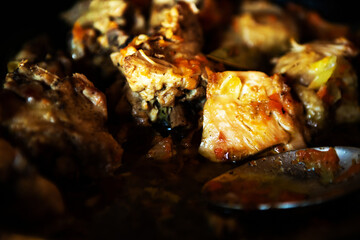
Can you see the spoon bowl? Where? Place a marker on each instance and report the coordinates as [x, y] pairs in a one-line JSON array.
[[288, 180]]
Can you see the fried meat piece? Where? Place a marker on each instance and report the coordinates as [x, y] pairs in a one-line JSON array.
[[265, 26], [324, 80], [259, 32], [246, 113], [59, 122], [100, 30], [166, 68], [213, 15], [104, 26]]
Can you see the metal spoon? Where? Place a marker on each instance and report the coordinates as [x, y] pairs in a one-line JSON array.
[[288, 180]]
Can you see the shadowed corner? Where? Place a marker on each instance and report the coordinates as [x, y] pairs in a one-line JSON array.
[[24, 20]]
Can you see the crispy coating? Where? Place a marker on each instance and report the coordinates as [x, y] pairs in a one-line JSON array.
[[264, 26]]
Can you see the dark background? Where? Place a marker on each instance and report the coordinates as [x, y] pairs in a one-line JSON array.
[[23, 20], [344, 11]]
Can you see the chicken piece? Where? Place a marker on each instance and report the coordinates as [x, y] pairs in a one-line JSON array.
[[157, 11], [246, 113], [323, 79], [98, 31], [60, 123], [160, 7], [104, 26], [167, 67], [265, 26], [261, 31]]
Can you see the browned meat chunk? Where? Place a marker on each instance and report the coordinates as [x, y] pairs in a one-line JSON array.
[[323, 79], [259, 32], [101, 28], [104, 26], [246, 113], [167, 67], [162, 66], [265, 26], [59, 122]]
